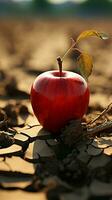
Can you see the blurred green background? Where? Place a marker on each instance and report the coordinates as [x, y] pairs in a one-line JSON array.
[[56, 8]]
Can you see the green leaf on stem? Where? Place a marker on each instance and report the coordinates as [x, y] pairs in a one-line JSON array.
[[85, 64], [89, 33]]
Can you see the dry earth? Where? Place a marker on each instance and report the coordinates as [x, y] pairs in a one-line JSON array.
[[27, 48]]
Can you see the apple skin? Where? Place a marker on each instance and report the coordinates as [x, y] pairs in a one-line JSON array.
[[57, 100]]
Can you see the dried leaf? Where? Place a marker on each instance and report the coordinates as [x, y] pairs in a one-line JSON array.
[[71, 132], [85, 64], [12, 114], [5, 140], [89, 33]]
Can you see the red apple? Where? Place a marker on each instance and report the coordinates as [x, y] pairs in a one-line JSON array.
[[58, 99]]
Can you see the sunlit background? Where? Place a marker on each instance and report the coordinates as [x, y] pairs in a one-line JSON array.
[[34, 32]]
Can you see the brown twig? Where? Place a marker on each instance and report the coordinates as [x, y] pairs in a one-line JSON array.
[[101, 114], [103, 127]]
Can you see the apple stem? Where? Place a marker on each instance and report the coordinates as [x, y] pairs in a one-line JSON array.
[[59, 60]]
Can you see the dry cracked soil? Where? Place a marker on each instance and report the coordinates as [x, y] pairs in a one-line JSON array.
[[33, 164]]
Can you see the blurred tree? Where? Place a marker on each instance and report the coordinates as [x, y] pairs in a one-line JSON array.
[[41, 4], [98, 6], [41, 7], [96, 3]]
